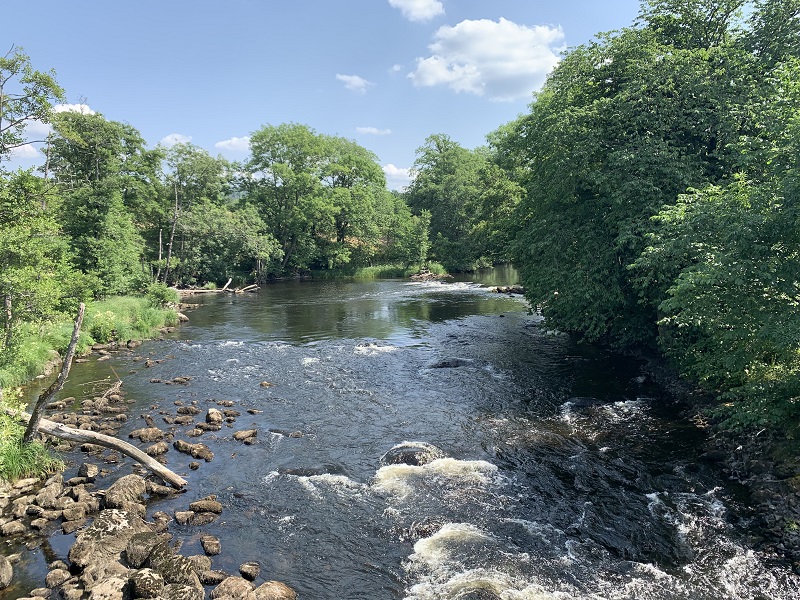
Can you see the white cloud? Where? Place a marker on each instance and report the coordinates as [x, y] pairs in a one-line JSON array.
[[418, 10], [396, 177], [78, 108], [500, 60], [355, 83], [234, 144], [25, 152], [373, 131], [38, 130], [396, 69], [175, 138]]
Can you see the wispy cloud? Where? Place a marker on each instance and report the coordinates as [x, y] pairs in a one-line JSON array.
[[175, 138], [234, 144], [501, 60], [418, 10], [397, 178], [25, 152], [355, 83], [373, 131]]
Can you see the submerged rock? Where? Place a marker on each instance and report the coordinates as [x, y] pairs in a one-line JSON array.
[[412, 453]]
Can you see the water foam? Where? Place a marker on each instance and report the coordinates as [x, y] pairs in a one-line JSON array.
[[399, 479], [372, 349]]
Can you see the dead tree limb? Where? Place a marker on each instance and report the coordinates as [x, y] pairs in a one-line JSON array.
[[83, 436], [55, 387]]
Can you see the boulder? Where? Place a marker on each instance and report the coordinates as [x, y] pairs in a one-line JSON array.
[[6, 572], [234, 587], [214, 416], [245, 434], [194, 450], [56, 577], [208, 504], [157, 449], [211, 545], [139, 547], [275, 590], [130, 488], [112, 588], [104, 540], [412, 453], [147, 434], [250, 570], [177, 591], [146, 583]]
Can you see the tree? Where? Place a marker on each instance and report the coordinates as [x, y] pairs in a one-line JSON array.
[[25, 96], [447, 184]]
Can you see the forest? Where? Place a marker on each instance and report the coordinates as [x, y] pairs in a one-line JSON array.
[[648, 197]]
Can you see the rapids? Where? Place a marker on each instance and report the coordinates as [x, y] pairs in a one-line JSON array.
[[563, 472]]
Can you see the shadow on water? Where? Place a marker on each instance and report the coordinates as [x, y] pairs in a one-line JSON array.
[[562, 474]]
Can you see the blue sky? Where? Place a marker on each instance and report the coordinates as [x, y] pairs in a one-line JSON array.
[[385, 73]]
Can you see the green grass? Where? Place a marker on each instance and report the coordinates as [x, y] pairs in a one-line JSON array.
[[390, 271], [18, 460]]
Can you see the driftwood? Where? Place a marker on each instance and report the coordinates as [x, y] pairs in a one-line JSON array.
[[63, 432], [249, 288], [55, 387], [225, 287]]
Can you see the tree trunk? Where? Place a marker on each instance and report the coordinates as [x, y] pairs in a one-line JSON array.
[[171, 236], [55, 387]]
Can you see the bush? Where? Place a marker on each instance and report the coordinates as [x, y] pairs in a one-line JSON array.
[[18, 460], [160, 295]]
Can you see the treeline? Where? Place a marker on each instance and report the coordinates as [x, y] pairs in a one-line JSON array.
[[661, 177]]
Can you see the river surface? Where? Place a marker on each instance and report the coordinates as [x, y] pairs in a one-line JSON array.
[[564, 473]]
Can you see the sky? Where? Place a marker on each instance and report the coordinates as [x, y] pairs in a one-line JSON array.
[[385, 73]]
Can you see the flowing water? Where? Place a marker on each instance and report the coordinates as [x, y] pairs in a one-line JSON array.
[[561, 471]]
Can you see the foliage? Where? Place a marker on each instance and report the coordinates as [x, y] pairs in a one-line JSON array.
[[25, 97], [159, 295], [17, 459], [121, 319]]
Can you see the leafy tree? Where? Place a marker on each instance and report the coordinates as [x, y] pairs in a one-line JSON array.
[[26, 96], [448, 185]]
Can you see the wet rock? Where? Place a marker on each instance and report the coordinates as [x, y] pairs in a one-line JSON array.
[[266, 384], [233, 587], [211, 545], [199, 519], [195, 450], [209, 504], [183, 517], [104, 540], [184, 420], [173, 567], [6, 572], [56, 577], [176, 591], [250, 570], [147, 434], [75, 512], [450, 363], [201, 562], [188, 410], [13, 528], [245, 434], [194, 465], [112, 588], [194, 432], [275, 590], [157, 449], [146, 583], [39, 524], [130, 488], [412, 453], [68, 527], [41, 593], [212, 577], [139, 547], [226, 403], [231, 414], [214, 416]]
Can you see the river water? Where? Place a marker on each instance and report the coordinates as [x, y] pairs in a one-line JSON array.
[[563, 472]]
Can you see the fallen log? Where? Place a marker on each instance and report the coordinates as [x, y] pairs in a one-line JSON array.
[[251, 287], [63, 432]]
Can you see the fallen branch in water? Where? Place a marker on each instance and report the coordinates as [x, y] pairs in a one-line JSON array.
[[63, 432]]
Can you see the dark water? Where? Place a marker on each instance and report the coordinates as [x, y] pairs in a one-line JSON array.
[[565, 476]]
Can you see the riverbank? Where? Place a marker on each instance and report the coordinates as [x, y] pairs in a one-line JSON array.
[[767, 466]]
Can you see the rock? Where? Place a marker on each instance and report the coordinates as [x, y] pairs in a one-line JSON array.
[[250, 570], [275, 590], [194, 465], [75, 512], [130, 488], [176, 591], [201, 562], [139, 547], [266, 384], [48, 497], [195, 450], [205, 518], [6, 572], [233, 587], [450, 363], [112, 588], [147, 434], [206, 505], [106, 538], [412, 453], [173, 567], [40, 593], [13, 528], [68, 527], [211, 545], [182, 517], [146, 583], [56, 577], [245, 434], [39, 524], [212, 577], [157, 449], [214, 416]]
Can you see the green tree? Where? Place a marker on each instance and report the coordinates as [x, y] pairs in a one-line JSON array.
[[447, 184], [26, 96]]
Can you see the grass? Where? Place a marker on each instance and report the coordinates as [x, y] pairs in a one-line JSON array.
[[389, 271], [18, 460]]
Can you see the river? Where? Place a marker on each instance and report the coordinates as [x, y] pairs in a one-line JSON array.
[[564, 473]]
